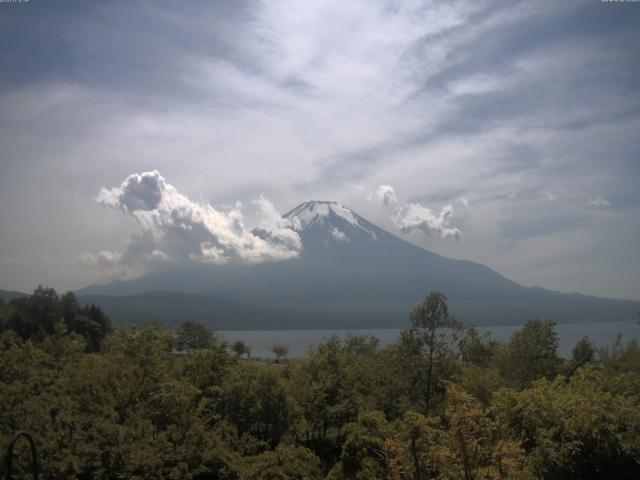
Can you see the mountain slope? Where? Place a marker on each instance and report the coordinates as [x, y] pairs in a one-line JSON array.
[[352, 273], [173, 308], [8, 295]]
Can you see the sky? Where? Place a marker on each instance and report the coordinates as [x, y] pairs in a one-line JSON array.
[[507, 133]]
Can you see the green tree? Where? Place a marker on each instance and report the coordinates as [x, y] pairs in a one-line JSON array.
[[280, 351], [89, 321], [286, 462], [208, 367], [582, 354], [193, 335], [476, 349], [34, 317], [621, 358], [364, 453], [532, 354], [240, 348], [254, 399], [3, 314], [585, 427], [93, 324], [479, 372], [432, 331], [45, 313], [324, 390]]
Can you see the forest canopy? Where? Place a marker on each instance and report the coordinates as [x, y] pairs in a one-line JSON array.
[[442, 402]]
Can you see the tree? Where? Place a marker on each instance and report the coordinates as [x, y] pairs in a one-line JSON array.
[[284, 463], [34, 317], [620, 357], [93, 324], [532, 353], [46, 313], [193, 335], [432, 329], [364, 454], [325, 390], [464, 443], [476, 349], [208, 367], [416, 450], [583, 353], [585, 427], [3, 314], [477, 446], [240, 348], [280, 351], [254, 399]]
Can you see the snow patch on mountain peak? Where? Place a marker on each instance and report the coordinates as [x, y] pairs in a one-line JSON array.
[[315, 211]]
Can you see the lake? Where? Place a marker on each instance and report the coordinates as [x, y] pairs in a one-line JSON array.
[[299, 341]]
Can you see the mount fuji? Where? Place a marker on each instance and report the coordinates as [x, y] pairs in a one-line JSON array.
[[350, 274]]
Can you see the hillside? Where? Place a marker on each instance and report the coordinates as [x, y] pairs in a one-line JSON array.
[[8, 295]]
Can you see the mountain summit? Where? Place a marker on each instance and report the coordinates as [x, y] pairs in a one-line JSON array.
[[329, 222], [315, 212], [350, 274]]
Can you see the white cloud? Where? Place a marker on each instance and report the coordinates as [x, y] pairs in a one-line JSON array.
[[409, 217], [384, 194], [159, 255], [414, 216], [338, 235], [175, 227], [278, 231], [102, 258], [137, 192], [598, 202]]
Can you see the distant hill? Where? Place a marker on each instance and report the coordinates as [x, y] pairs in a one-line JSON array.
[[173, 308], [8, 295], [350, 274]]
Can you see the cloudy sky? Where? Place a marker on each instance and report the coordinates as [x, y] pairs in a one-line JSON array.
[[507, 133]]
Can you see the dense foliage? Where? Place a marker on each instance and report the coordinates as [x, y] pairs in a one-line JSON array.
[[46, 313], [442, 402]]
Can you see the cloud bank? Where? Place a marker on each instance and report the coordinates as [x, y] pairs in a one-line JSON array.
[[173, 227]]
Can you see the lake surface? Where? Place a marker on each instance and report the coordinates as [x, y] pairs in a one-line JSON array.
[[299, 341]]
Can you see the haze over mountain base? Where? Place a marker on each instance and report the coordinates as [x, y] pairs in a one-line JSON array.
[[350, 274]]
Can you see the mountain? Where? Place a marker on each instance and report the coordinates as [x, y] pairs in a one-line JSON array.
[[173, 308], [353, 274], [8, 295]]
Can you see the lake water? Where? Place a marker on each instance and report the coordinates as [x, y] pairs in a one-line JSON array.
[[299, 341]]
